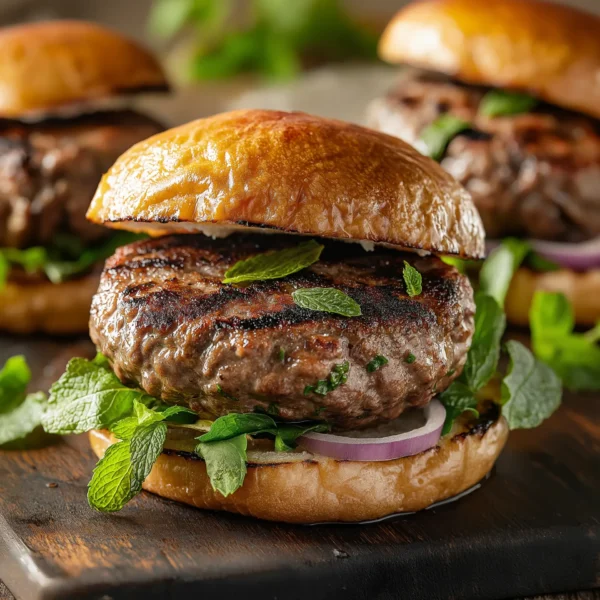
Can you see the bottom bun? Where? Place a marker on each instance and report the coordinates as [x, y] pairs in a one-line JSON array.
[[45, 307], [581, 289], [316, 489]]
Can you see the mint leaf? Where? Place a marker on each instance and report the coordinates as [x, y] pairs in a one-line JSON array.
[[23, 419], [540, 264], [412, 280], [436, 137], [179, 414], [119, 475], [64, 258], [337, 377], [112, 484], [482, 359], [274, 265], [225, 463], [376, 364], [14, 379], [146, 446], [531, 391], [61, 265], [500, 266], [498, 103], [457, 399], [575, 357], [31, 260], [235, 424], [285, 440], [327, 300], [88, 396]]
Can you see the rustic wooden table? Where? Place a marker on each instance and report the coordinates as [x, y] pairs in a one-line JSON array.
[[532, 528]]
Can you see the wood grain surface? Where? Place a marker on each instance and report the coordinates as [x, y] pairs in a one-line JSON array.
[[531, 529]]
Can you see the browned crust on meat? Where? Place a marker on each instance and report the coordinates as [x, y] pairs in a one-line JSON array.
[[56, 63], [548, 50], [291, 172], [41, 306], [581, 289], [168, 324], [327, 490]]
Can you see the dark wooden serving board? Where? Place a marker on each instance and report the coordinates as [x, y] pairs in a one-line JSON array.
[[532, 528]]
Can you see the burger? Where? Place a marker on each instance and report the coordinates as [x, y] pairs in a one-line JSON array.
[[505, 94], [63, 122], [289, 344]]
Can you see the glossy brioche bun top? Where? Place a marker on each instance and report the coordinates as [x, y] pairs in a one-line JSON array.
[[288, 172], [45, 66], [547, 50]]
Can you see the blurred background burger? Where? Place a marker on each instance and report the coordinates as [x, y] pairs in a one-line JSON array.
[[506, 95], [62, 124]]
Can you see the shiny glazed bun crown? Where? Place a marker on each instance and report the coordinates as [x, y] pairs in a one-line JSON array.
[[44, 66], [548, 50], [288, 172]]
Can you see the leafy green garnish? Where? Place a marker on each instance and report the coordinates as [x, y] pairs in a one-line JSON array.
[[20, 413], [482, 359], [327, 300], [113, 484], [437, 136], [274, 265], [521, 388], [225, 463], [498, 103], [457, 399], [237, 423], [337, 377], [376, 364], [575, 357], [285, 440], [540, 264], [64, 258], [23, 419], [14, 379], [410, 359], [499, 268], [30, 259], [88, 396], [275, 38], [412, 279], [531, 391], [119, 476]]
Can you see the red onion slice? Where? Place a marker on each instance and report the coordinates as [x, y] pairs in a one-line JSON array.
[[380, 447], [582, 256]]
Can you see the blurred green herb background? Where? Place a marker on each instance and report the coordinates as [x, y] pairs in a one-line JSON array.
[[274, 38]]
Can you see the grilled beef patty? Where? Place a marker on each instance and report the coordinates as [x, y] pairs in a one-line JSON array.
[[49, 172], [168, 324], [535, 174]]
